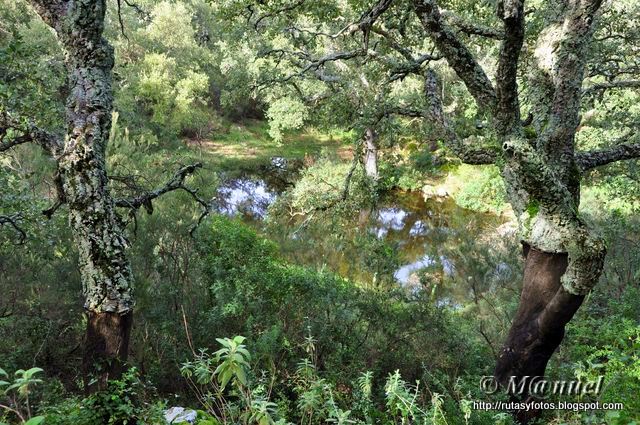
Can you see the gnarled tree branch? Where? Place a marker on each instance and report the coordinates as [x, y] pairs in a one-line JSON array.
[[284, 9], [12, 221], [176, 182], [27, 132], [457, 54], [597, 158], [314, 64], [369, 17], [619, 84], [511, 12], [467, 153], [471, 28]]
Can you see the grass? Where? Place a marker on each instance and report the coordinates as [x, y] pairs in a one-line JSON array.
[[236, 146]]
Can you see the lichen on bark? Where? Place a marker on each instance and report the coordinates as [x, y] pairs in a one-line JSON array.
[[98, 233]]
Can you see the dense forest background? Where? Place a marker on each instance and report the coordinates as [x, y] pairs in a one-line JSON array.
[[347, 265]]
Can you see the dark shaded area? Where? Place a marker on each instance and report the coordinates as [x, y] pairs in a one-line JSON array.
[[106, 347]]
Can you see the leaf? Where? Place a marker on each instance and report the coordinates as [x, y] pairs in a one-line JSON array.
[[225, 377], [244, 352], [36, 420], [29, 373], [14, 385], [242, 376], [223, 341]]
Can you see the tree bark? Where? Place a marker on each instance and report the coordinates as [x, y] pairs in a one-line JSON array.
[[106, 347], [371, 154], [98, 233], [531, 341]]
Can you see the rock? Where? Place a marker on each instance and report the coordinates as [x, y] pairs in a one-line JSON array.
[[442, 192], [279, 163], [178, 415], [429, 191]]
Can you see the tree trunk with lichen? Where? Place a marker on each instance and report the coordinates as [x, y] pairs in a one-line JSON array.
[[541, 170], [564, 258], [98, 234]]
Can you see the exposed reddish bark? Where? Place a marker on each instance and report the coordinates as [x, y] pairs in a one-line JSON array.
[[106, 347], [533, 339]]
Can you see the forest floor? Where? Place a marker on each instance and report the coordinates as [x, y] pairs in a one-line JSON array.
[[243, 145]]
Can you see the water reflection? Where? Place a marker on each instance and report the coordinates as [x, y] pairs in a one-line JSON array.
[[245, 196], [405, 273], [418, 229], [390, 219], [421, 234]]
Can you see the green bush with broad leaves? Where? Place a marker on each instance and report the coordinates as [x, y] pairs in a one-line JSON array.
[[14, 398]]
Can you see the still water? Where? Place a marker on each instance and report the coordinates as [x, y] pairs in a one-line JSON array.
[[405, 240]]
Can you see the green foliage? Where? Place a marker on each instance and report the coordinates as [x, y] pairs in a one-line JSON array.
[[23, 380], [400, 176], [242, 403], [175, 98], [318, 399], [234, 357], [322, 185], [255, 292], [285, 114], [16, 393], [484, 189], [121, 403], [32, 76], [423, 160]]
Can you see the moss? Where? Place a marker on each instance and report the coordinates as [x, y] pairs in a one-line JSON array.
[[533, 207], [530, 133]]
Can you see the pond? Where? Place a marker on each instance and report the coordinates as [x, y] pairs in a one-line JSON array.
[[405, 240]]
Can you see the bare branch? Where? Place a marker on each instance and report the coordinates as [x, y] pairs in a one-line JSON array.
[[511, 12], [364, 23], [347, 180], [314, 64], [457, 54], [28, 132], [414, 64], [469, 154], [284, 9], [527, 121], [9, 308], [371, 16], [619, 84], [387, 111], [471, 28], [12, 221], [175, 183], [597, 158], [143, 14], [394, 44], [59, 194], [5, 146]]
